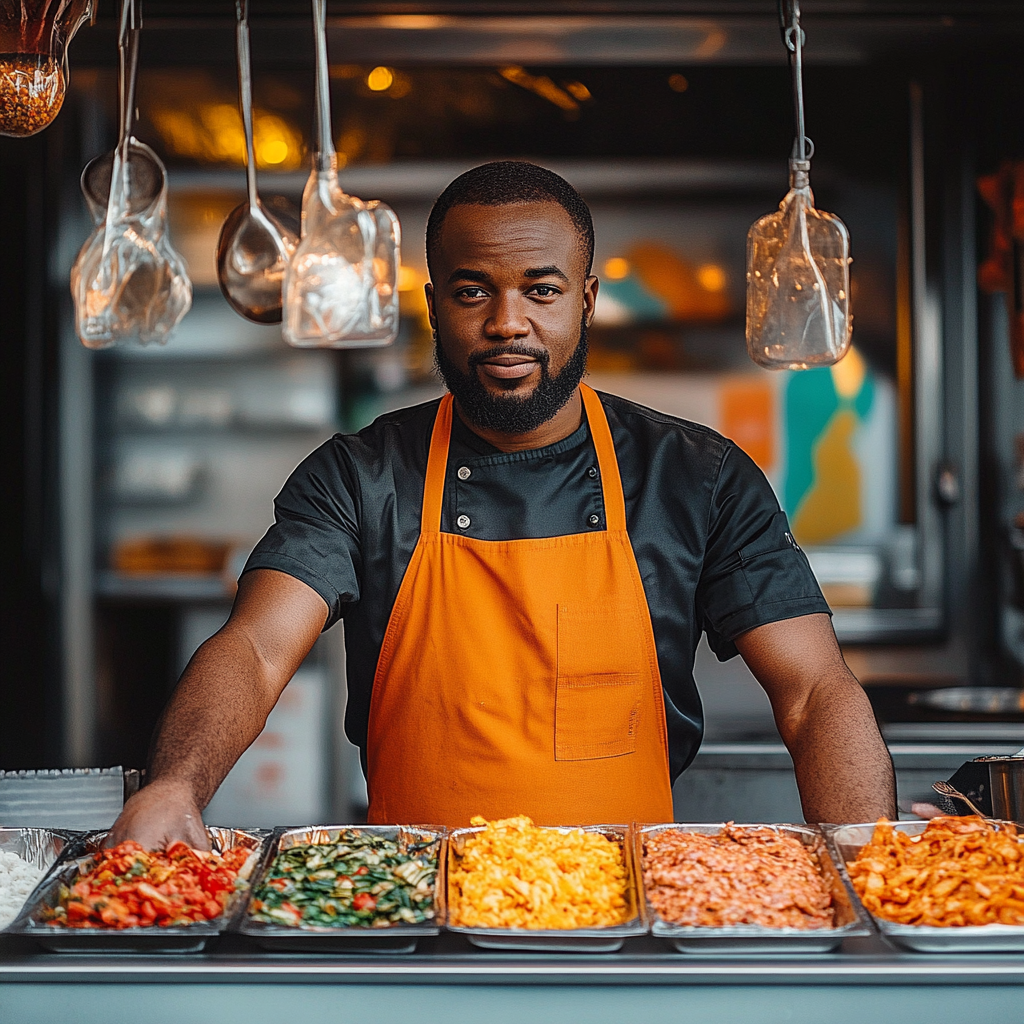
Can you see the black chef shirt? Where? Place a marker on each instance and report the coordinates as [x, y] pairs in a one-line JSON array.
[[714, 550]]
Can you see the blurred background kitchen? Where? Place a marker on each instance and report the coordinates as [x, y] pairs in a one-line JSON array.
[[136, 481]]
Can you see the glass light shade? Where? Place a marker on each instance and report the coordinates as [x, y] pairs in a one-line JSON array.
[[798, 283], [341, 287], [34, 35], [128, 282]]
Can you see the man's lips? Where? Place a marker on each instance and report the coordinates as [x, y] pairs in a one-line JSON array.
[[508, 367]]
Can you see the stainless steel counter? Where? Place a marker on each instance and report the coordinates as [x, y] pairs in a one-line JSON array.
[[753, 781], [449, 979]]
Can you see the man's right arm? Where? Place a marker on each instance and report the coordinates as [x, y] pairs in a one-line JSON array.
[[220, 706]]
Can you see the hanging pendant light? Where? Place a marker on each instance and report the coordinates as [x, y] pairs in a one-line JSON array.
[[798, 259]]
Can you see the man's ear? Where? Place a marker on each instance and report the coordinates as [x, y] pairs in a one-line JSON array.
[[590, 289], [428, 293]]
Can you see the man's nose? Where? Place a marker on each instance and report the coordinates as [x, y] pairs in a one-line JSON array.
[[508, 319]]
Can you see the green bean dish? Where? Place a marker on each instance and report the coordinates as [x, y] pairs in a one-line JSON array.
[[358, 881]]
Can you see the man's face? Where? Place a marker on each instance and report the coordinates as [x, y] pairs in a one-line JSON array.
[[510, 302]]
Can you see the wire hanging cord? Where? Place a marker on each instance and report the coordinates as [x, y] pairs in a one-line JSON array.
[[793, 37]]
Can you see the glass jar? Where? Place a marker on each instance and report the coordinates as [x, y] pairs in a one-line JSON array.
[[34, 35]]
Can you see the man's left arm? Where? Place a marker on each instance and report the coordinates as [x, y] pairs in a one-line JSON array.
[[843, 768]]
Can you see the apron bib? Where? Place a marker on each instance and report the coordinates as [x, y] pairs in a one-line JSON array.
[[521, 676]]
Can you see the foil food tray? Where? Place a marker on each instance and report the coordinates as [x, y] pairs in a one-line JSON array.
[[190, 938], [576, 940], [40, 847], [846, 841], [741, 940], [397, 938]]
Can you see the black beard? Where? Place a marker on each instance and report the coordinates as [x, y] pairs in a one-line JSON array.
[[511, 414]]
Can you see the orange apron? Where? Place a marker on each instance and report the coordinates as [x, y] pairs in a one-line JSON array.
[[521, 676]]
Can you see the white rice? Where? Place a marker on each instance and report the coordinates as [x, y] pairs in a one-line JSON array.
[[17, 879]]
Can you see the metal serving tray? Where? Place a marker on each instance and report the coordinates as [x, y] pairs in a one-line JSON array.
[[579, 940], [846, 842], [189, 938], [398, 938], [742, 940], [39, 846]]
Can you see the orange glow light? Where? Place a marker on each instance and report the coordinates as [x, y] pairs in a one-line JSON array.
[[380, 79], [711, 277], [616, 268]]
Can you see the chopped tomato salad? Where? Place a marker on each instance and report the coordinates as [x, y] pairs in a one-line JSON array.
[[130, 887]]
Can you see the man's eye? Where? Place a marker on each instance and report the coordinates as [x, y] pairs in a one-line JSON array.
[[472, 292], [545, 291]]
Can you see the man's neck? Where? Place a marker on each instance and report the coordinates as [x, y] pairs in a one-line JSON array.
[[556, 429]]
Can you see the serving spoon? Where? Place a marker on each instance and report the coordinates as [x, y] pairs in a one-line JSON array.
[[254, 247], [947, 790], [146, 175]]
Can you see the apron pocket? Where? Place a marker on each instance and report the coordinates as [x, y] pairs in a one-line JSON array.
[[597, 685], [596, 715]]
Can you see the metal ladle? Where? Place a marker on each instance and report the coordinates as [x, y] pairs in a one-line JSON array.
[[254, 247], [146, 175]]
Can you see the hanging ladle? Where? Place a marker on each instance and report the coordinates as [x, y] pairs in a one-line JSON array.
[[254, 247], [146, 175]]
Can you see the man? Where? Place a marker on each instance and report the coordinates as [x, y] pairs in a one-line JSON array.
[[524, 569]]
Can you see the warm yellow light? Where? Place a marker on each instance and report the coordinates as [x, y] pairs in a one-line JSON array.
[[711, 277], [541, 86], [213, 132], [409, 279], [379, 79], [273, 152], [578, 91], [848, 374], [678, 83], [616, 268]]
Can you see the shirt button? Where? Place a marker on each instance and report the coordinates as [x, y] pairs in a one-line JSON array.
[[465, 472], [462, 522], [592, 473], [594, 519]]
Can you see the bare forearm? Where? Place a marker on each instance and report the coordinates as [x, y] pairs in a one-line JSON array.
[[842, 765], [219, 707]]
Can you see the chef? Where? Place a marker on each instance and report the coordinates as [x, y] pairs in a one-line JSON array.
[[524, 568]]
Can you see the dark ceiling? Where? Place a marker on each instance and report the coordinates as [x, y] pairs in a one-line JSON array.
[[546, 32], [929, 10]]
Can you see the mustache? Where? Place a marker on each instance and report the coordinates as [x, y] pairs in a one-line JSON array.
[[515, 349]]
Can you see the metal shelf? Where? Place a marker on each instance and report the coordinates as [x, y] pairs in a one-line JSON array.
[[886, 625], [165, 587]]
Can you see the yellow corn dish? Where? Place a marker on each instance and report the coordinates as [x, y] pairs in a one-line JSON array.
[[515, 874]]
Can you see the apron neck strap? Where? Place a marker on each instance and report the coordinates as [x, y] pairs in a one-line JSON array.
[[437, 464], [607, 463], [608, 466]]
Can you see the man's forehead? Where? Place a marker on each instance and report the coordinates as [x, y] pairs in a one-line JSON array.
[[514, 232]]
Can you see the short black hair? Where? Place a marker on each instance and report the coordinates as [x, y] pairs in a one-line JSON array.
[[507, 183]]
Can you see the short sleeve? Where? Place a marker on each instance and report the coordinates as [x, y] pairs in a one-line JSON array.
[[315, 536], [754, 572]]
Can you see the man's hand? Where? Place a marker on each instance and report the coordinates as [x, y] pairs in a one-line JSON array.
[[220, 706], [842, 765], [158, 815]]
